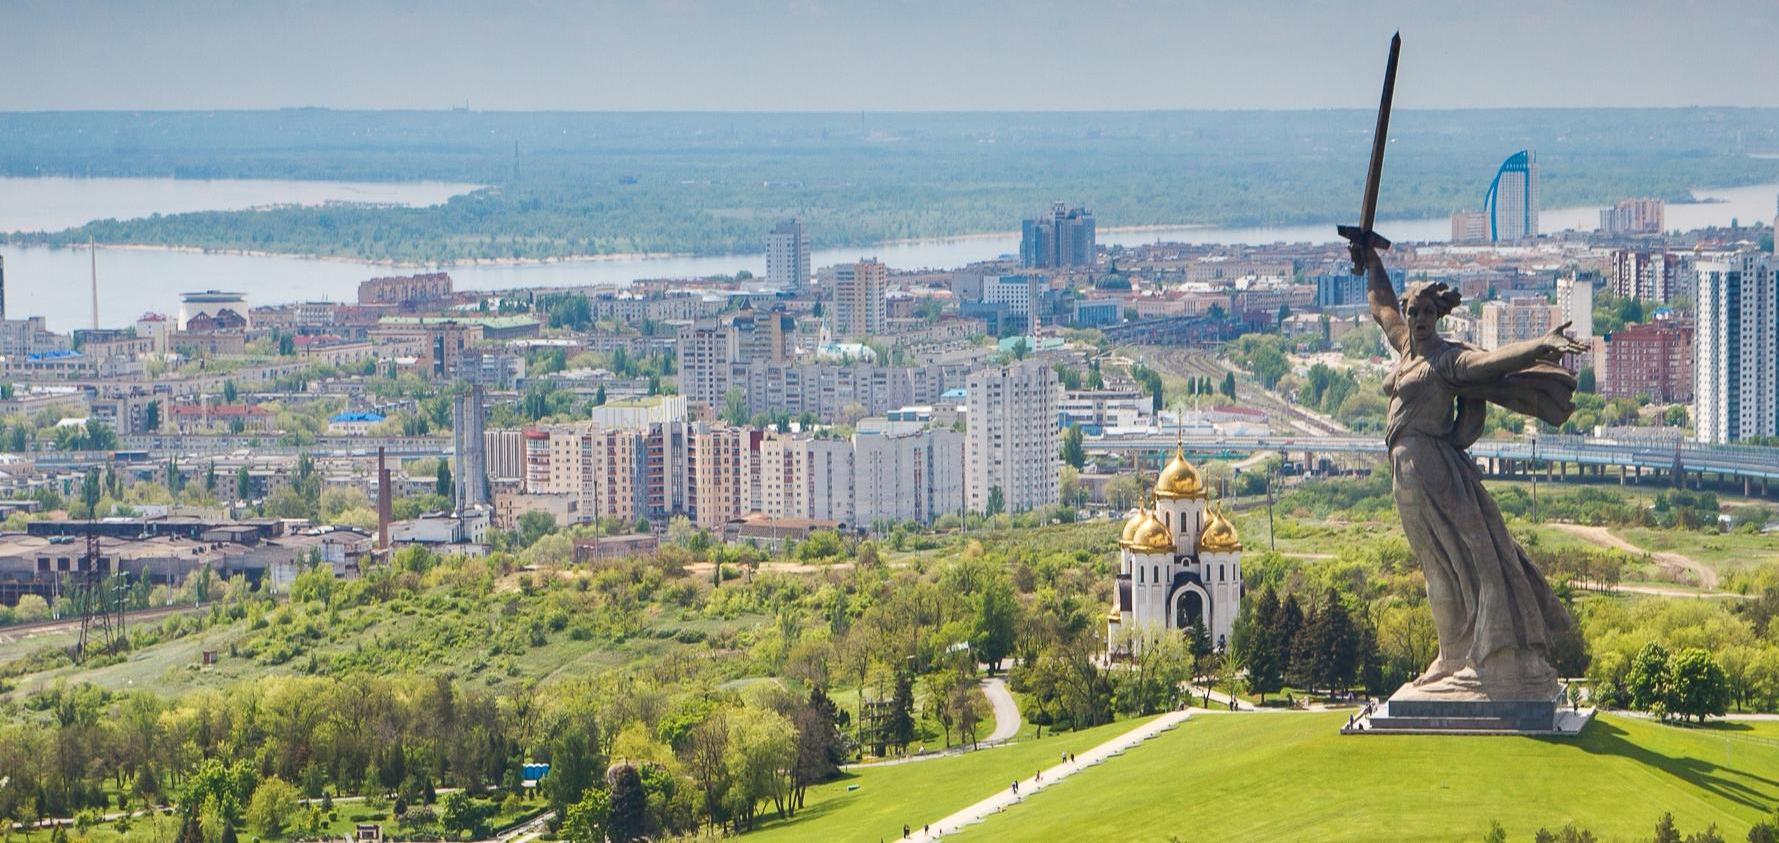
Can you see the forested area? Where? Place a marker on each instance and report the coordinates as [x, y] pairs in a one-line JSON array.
[[562, 184]]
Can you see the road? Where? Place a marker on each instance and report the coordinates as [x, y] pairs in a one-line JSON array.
[[1704, 574], [1007, 723], [22, 631]]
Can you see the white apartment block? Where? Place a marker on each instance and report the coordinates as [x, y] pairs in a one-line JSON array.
[[1012, 437], [706, 349], [1736, 354], [905, 471], [801, 477], [1575, 305]]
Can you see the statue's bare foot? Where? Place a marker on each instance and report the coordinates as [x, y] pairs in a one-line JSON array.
[[1436, 672]]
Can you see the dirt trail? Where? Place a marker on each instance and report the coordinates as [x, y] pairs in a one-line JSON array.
[[1703, 574]]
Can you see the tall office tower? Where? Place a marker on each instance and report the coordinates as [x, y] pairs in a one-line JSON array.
[[1515, 320], [1648, 276], [1634, 216], [1065, 238], [1575, 305], [1736, 383], [1512, 200], [1011, 437], [787, 256], [859, 292], [470, 449], [706, 348]]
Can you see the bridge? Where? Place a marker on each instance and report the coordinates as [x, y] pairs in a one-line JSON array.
[[1754, 466]]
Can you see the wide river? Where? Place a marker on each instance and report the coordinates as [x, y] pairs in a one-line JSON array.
[[54, 283]]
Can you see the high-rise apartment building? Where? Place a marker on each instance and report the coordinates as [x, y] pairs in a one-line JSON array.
[[860, 291], [805, 477], [1653, 359], [706, 348], [1011, 438], [906, 471], [1064, 238], [719, 474], [1736, 378], [1512, 200], [1515, 320], [1650, 276], [1575, 305], [1633, 216], [787, 256]]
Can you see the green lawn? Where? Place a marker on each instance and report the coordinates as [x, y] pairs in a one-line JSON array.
[[1292, 777], [923, 791]]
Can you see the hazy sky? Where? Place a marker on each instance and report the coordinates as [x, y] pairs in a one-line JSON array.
[[787, 55]]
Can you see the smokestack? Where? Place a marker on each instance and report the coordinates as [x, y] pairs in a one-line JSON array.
[[384, 509]]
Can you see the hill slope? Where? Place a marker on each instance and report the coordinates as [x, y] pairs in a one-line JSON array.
[[1292, 777]]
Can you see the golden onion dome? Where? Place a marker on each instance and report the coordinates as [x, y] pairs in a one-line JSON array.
[[1151, 536], [1180, 479], [1131, 524], [1219, 535]]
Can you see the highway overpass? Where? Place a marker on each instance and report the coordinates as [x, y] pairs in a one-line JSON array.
[[1757, 467]]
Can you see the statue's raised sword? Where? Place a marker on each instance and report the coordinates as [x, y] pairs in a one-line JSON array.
[[1361, 236]]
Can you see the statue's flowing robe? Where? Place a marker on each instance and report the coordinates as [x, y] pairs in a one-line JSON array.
[[1487, 598]]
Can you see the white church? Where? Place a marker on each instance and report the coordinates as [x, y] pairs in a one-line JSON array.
[[1179, 563]]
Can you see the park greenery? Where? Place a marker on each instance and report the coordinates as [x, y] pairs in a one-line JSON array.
[[561, 184]]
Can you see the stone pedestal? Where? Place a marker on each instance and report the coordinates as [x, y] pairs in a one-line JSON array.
[[1413, 711]]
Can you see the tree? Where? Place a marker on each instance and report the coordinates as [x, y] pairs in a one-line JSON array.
[[997, 502], [460, 814], [442, 485], [585, 821], [629, 804], [151, 417], [997, 615], [1648, 680], [574, 760], [1229, 385], [1073, 452], [901, 716], [535, 525], [820, 748], [229, 392], [1257, 643], [274, 802], [735, 409], [1699, 687]]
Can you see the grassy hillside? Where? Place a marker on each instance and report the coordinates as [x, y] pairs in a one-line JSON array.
[[1292, 777], [922, 792]]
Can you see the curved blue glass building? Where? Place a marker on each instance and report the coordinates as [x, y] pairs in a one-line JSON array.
[[1512, 200]]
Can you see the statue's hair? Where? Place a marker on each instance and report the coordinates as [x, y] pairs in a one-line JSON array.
[[1437, 293]]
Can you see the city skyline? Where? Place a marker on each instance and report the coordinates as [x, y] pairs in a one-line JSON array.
[[684, 55]]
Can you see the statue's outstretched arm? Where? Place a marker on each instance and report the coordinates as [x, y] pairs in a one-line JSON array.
[[1486, 366], [1382, 298]]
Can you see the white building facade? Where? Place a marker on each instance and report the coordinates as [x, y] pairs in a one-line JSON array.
[[1179, 564], [1012, 437], [1736, 354]]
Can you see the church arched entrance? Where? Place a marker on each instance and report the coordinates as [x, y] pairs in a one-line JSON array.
[[1189, 609]]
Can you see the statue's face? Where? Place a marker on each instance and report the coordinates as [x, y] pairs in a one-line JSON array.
[[1422, 317]]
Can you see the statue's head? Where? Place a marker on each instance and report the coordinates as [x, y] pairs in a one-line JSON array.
[[1424, 303]]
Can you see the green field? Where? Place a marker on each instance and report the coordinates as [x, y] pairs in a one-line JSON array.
[[1293, 777], [924, 791]]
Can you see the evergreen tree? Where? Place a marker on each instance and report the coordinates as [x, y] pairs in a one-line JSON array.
[[442, 481], [1074, 453], [629, 805], [1256, 641], [901, 719]]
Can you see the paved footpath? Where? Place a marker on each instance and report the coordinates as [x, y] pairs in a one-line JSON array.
[[1005, 797], [1007, 723]]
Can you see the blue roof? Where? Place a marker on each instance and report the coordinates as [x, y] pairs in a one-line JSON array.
[[357, 417], [954, 392], [53, 355]]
